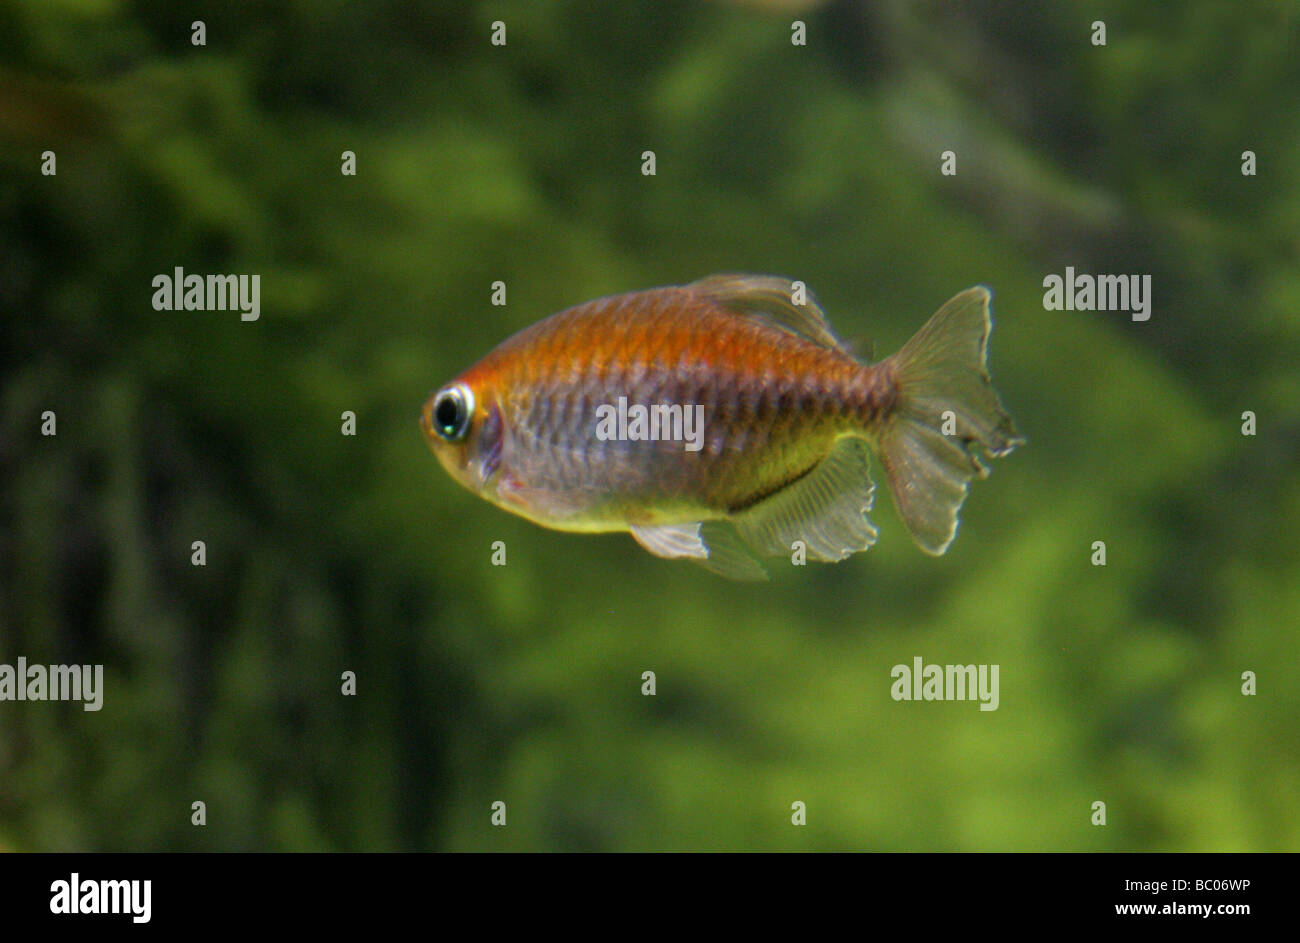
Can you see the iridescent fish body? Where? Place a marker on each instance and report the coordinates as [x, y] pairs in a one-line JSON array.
[[790, 421]]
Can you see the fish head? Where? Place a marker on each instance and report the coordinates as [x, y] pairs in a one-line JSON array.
[[462, 424]]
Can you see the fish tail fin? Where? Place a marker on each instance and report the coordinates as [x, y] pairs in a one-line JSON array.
[[944, 412]]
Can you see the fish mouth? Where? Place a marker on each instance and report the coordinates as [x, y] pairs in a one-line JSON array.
[[425, 426]]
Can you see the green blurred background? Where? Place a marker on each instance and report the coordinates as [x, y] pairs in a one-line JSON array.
[[522, 683]]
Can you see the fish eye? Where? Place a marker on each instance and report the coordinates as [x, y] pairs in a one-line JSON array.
[[452, 409]]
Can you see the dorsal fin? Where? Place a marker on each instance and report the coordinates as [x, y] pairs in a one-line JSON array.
[[769, 299]]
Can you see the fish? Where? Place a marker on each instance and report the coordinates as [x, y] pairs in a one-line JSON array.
[[724, 422]]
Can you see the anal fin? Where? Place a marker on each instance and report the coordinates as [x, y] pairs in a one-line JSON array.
[[826, 509]]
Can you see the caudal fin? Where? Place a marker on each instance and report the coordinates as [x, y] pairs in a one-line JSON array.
[[943, 386]]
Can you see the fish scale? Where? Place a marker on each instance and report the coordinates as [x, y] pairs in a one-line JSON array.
[[703, 349]]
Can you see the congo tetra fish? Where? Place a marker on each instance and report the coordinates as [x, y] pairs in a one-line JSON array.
[[722, 421]]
